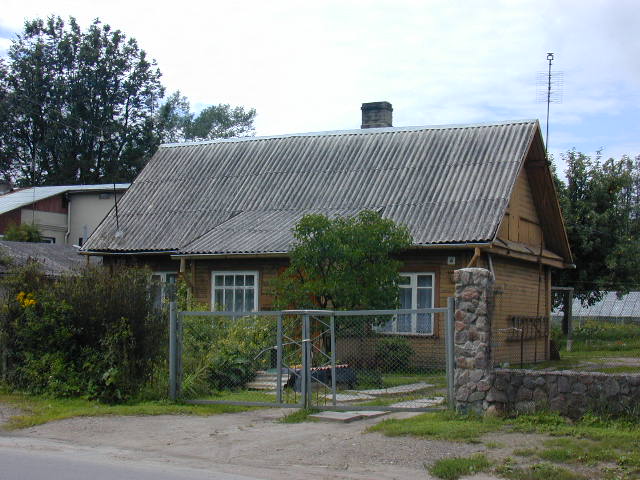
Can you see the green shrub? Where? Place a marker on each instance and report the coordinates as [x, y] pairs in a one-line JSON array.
[[393, 354], [93, 334], [224, 353], [25, 232]]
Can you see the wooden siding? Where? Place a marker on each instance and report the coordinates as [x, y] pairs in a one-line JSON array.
[[519, 286], [522, 223], [10, 218], [521, 289]]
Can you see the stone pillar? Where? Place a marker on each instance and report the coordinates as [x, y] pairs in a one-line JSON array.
[[474, 374]]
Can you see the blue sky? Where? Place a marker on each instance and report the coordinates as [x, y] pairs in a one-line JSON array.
[[307, 66]]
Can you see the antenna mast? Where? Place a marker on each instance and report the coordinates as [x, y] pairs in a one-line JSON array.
[[550, 59], [550, 91]]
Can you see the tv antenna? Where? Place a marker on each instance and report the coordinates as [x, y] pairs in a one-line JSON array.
[[549, 90]]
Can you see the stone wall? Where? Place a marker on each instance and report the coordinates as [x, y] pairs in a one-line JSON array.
[[481, 388], [568, 392]]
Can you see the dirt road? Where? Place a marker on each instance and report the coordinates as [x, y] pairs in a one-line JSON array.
[[250, 443]]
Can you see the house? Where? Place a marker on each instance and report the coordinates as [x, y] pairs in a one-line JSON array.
[[55, 259], [221, 213], [65, 214]]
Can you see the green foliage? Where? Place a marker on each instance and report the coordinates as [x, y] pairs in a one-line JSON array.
[[537, 471], [83, 106], [343, 263], [25, 232], [598, 335], [79, 104], [298, 416], [454, 468], [36, 410], [177, 123], [223, 353], [393, 354], [601, 209], [93, 334]]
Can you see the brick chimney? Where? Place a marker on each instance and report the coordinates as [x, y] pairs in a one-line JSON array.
[[376, 115]]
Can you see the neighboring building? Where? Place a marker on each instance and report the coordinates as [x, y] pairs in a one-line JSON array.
[[65, 215], [221, 213], [611, 308], [55, 259]]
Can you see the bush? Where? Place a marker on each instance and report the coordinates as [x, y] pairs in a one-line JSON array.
[[25, 232], [224, 354], [94, 334], [393, 354]]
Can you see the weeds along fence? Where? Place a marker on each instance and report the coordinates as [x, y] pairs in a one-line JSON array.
[[340, 360]]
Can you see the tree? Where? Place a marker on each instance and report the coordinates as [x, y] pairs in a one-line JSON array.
[[24, 232], [177, 123], [601, 208], [79, 104], [85, 107], [343, 263]]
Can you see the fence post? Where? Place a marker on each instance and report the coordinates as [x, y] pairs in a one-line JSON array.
[[173, 352], [474, 373], [279, 360], [450, 349], [306, 360], [332, 325]]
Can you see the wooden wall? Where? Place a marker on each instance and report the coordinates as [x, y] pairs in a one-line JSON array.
[[521, 223], [521, 289]]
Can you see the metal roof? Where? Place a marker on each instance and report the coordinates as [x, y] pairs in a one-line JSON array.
[[21, 198], [448, 184], [627, 305]]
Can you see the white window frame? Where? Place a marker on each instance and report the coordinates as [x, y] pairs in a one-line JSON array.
[[413, 284], [256, 286], [164, 282]]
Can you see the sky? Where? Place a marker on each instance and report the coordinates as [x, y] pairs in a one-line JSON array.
[[308, 66]]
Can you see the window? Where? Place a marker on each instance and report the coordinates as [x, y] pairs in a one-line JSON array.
[[48, 239], [234, 291], [416, 291], [164, 284]]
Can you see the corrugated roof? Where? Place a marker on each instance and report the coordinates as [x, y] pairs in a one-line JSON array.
[[21, 198], [448, 184], [627, 305], [55, 259]]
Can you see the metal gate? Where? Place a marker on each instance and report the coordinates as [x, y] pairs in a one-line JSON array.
[[327, 360]]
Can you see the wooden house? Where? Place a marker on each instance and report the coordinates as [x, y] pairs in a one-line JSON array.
[[220, 213]]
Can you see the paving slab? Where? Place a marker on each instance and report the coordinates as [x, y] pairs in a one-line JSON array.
[[346, 417], [420, 403], [411, 387], [349, 397]]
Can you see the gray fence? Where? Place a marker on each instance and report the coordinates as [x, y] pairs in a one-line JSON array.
[[333, 360]]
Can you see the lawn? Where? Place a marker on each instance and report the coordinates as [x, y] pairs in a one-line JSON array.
[[38, 410], [600, 446]]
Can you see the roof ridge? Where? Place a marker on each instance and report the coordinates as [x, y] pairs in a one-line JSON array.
[[355, 131]]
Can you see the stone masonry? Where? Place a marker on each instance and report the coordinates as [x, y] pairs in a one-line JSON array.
[[473, 366], [481, 388]]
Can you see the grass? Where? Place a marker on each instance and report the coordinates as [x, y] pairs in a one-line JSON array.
[[537, 471], [396, 379], [594, 441], [298, 416], [443, 425], [454, 468], [38, 410]]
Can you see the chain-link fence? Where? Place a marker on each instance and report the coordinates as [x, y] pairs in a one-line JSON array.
[[390, 360], [602, 335]]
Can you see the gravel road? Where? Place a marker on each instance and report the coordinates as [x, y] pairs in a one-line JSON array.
[[250, 443]]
